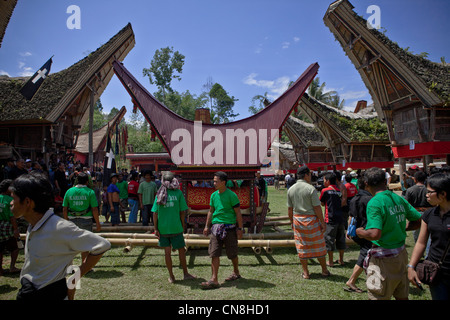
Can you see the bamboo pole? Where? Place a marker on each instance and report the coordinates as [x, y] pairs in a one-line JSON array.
[[203, 242], [127, 228], [277, 223], [277, 218], [274, 235]]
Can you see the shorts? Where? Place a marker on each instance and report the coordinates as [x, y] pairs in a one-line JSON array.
[[230, 242], [387, 277], [10, 245], [335, 237], [175, 240], [82, 223]]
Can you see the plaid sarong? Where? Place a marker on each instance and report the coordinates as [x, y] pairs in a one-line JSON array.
[[379, 252], [309, 239], [220, 230], [6, 230]]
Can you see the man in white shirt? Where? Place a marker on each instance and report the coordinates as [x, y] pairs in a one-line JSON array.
[[51, 242]]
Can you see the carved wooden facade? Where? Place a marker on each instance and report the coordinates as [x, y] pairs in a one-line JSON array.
[[52, 120], [330, 142], [410, 93]]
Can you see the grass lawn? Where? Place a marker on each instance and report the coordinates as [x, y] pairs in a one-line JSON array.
[[142, 275]]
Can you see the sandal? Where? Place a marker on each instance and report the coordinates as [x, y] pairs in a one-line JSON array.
[[209, 285], [326, 275], [305, 276], [355, 289], [233, 277], [189, 277]]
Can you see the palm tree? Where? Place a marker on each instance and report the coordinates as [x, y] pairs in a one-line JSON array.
[[316, 90]]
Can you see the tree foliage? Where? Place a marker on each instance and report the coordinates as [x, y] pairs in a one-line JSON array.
[[331, 98], [222, 109], [163, 69]]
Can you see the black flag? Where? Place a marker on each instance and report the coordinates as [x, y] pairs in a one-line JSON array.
[[109, 166], [31, 87]]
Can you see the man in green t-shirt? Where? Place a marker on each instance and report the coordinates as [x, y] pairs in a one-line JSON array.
[[386, 227], [224, 221], [168, 215], [147, 192], [9, 232], [122, 184], [80, 204]]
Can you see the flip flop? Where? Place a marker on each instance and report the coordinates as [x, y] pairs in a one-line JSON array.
[[233, 277], [209, 285], [189, 277], [350, 289], [326, 275]]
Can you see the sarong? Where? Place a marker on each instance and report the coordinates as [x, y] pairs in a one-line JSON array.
[[309, 239]]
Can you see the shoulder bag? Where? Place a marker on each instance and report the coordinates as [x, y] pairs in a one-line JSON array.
[[428, 271]]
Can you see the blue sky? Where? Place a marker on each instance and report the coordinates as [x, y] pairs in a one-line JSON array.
[[248, 46]]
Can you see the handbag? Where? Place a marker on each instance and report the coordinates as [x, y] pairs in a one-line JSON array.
[[428, 271], [351, 230]]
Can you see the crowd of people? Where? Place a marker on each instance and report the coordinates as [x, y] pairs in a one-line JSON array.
[[66, 205], [380, 218]]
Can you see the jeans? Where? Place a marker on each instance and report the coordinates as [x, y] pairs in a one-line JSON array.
[[147, 214], [115, 216], [134, 206], [441, 290]]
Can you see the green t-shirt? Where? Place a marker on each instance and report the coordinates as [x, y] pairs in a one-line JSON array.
[[169, 221], [79, 199], [5, 207], [224, 204], [123, 189], [388, 212], [148, 191]]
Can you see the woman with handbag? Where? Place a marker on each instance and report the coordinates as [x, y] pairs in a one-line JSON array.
[[435, 270]]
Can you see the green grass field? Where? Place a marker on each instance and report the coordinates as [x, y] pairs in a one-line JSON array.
[[142, 275]]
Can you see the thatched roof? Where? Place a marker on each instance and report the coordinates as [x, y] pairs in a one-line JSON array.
[[57, 91], [429, 80], [100, 135], [6, 11], [358, 127], [309, 133]]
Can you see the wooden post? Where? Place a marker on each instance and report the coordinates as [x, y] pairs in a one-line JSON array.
[[91, 131], [402, 168]]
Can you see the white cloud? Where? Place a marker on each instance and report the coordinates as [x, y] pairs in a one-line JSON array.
[[4, 73], [26, 54], [285, 45], [350, 95], [296, 39], [26, 72], [274, 87]]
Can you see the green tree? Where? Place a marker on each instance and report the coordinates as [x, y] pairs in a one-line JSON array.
[[99, 118], [316, 90], [262, 100], [163, 69], [331, 98], [222, 110]]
